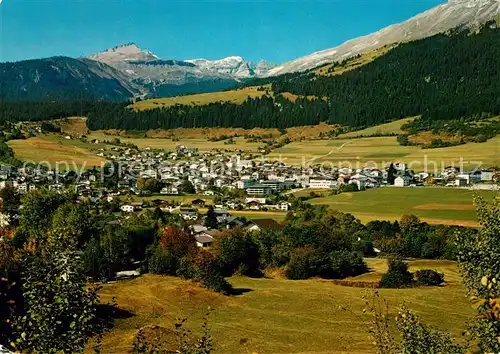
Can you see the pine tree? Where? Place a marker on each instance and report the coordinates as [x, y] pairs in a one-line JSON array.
[[211, 218], [391, 174]]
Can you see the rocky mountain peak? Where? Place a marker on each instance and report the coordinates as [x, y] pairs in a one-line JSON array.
[[124, 53]]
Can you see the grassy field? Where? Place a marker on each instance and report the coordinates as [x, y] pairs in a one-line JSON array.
[[207, 133], [431, 204], [381, 151], [347, 151], [254, 215], [281, 316], [76, 126], [55, 149], [201, 144], [341, 150], [183, 199], [387, 128], [197, 136], [365, 58], [233, 96], [240, 143]]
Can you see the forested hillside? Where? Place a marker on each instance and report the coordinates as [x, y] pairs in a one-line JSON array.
[[19, 111], [62, 78], [263, 112], [441, 77], [444, 77]]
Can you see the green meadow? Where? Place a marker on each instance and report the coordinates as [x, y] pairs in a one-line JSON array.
[[282, 316], [432, 204], [381, 151]]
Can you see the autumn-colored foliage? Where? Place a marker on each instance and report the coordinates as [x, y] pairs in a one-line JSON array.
[[177, 241]]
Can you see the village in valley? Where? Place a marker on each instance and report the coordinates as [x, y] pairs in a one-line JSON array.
[[221, 182], [220, 192]]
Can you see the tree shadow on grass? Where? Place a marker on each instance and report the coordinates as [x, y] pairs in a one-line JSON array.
[[239, 291], [106, 314]]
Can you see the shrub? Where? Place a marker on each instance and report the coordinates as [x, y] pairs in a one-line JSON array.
[[177, 241], [306, 262], [187, 268], [299, 268], [155, 339], [209, 274], [480, 138], [365, 247], [345, 264], [163, 262], [394, 280], [216, 282], [419, 338], [237, 250], [397, 276], [403, 140], [319, 264], [313, 195], [349, 188], [429, 277], [47, 127]]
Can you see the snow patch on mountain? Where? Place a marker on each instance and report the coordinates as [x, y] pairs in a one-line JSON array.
[[145, 68], [125, 56], [436, 20], [234, 66]]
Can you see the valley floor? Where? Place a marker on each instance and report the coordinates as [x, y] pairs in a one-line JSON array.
[[381, 151], [435, 205], [355, 149]]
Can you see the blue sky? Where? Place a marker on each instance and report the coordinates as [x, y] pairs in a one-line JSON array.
[[274, 30]]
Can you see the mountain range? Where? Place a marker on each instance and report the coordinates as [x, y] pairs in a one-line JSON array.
[[128, 71], [439, 19], [169, 77]]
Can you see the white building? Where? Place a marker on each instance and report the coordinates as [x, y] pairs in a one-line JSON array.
[[197, 228], [149, 174], [284, 206], [4, 184], [402, 181], [204, 239], [243, 163], [464, 176], [189, 214], [259, 189], [22, 188], [400, 166], [244, 184], [255, 199], [486, 176], [460, 182], [321, 183], [171, 190], [359, 183], [4, 220], [127, 208]]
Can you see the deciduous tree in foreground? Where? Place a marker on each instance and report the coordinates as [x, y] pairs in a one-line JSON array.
[[479, 264], [59, 305]]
